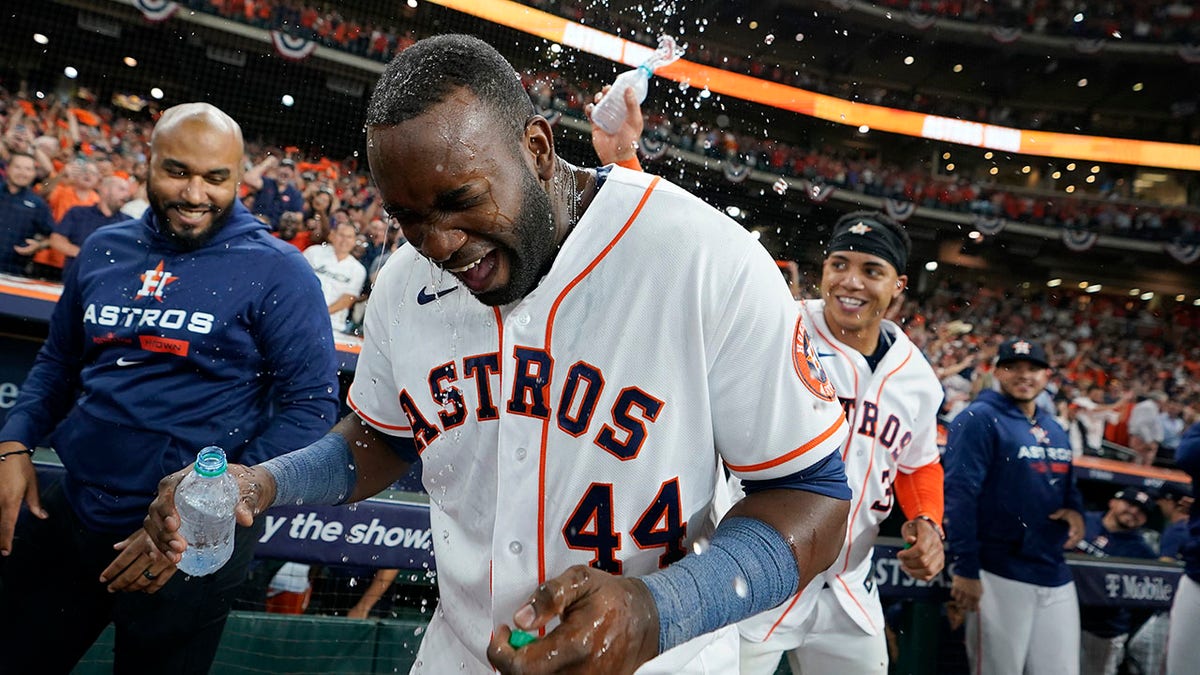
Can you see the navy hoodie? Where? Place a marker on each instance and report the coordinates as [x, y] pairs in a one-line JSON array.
[[1187, 457], [155, 352], [1004, 477]]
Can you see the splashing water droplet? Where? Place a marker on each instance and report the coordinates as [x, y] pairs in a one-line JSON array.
[[780, 186], [740, 587]]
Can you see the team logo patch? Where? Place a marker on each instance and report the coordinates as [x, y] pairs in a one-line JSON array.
[[1040, 434], [154, 281], [808, 366], [860, 228], [1022, 347]]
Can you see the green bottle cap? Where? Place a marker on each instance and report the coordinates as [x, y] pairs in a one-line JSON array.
[[520, 638]]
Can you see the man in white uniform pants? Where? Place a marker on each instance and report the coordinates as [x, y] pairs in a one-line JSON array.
[[570, 353], [891, 398], [341, 274]]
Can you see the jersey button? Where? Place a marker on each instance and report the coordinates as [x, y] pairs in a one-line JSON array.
[[515, 547], [521, 454], [522, 319]]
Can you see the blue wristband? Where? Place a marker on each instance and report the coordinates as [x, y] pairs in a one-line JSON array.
[[747, 569], [321, 474]]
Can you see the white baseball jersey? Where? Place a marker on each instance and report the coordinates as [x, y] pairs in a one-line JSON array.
[[338, 278], [582, 424], [893, 428]]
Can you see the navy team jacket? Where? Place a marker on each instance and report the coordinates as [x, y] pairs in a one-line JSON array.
[[1004, 477], [1187, 457], [155, 352]]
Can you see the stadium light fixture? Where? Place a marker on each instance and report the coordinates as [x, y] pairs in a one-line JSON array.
[[1096, 169], [1090, 179], [908, 60], [1071, 166], [1196, 302], [156, 93], [993, 171], [1094, 288], [950, 166], [1083, 285], [70, 72], [41, 39], [287, 100], [1081, 83], [1135, 291], [130, 61], [1070, 189], [974, 235], [864, 129], [958, 67], [1078, 18], [1026, 169], [1056, 175], [733, 211], [1148, 295], [1054, 283], [988, 155], [931, 266], [1180, 298], [412, 3], [1138, 86]]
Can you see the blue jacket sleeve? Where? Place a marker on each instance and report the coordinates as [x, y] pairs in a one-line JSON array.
[[969, 452], [1187, 455], [52, 385], [296, 340]]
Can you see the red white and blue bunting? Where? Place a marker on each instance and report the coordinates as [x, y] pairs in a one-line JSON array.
[[1004, 35], [652, 148], [988, 226], [734, 172], [899, 211], [1079, 240], [921, 21], [1184, 253], [156, 11], [292, 48]]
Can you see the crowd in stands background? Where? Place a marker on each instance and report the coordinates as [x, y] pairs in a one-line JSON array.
[[380, 39], [1130, 348]]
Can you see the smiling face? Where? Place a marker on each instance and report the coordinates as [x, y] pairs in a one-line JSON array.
[[858, 288], [1022, 380], [468, 196], [1125, 514], [195, 169]]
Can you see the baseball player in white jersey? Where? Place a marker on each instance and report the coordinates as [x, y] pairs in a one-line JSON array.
[[570, 353], [891, 398]]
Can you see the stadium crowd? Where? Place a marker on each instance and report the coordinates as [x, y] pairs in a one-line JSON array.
[[377, 38], [92, 160]]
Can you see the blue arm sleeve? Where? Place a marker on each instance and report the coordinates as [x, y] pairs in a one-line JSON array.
[[747, 569], [50, 388], [321, 474], [827, 477], [296, 340], [968, 454]]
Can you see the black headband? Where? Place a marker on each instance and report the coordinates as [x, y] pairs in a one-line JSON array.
[[867, 235]]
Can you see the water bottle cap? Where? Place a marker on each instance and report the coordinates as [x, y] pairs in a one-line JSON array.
[[210, 463]]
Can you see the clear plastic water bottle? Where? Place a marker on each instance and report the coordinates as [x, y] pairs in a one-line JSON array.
[[205, 500], [609, 113]]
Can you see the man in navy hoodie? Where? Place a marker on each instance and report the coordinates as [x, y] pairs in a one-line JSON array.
[[1011, 509], [1182, 654], [191, 326]]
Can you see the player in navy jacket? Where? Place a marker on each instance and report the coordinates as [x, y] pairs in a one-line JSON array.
[[1182, 655], [186, 328], [1011, 508]]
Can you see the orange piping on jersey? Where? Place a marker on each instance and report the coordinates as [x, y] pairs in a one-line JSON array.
[[778, 621], [853, 371], [837, 424], [867, 477], [381, 425], [856, 603], [541, 518]]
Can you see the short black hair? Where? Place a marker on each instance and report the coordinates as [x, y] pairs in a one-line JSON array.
[[429, 71], [884, 220]]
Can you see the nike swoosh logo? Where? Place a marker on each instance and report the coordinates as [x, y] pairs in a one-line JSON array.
[[424, 297], [125, 362]]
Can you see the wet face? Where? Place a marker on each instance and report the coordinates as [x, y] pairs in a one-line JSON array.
[[1126, 515], [858, 288], [468, 196], [1022, 380], [195, 168]]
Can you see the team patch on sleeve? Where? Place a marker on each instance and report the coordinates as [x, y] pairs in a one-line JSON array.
[[808, 367]]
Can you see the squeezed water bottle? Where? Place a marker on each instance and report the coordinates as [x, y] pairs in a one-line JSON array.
[[609, 113], [205, 499]]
